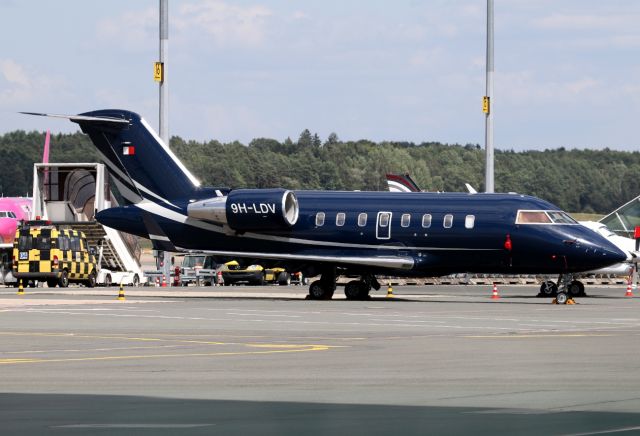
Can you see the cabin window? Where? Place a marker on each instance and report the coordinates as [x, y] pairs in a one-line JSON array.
[[75, 243], [320, 219], [426, 220], [340, 219], [448, 221], [469, 221], [384, 219], [362, 220], [405, 220]]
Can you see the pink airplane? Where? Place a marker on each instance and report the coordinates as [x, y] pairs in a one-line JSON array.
[[12, 210], [15, 209]]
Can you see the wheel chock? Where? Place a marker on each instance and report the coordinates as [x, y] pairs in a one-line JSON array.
[[554, 301], [570, 301]]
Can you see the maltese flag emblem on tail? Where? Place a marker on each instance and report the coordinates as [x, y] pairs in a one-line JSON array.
[[128, 150]]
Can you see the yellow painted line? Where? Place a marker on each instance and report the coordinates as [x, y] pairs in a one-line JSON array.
[[272, 348], [304, 348], [78, 350], [550, 335], [142, 339]]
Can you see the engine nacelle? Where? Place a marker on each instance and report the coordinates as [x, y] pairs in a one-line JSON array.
[[250, 209]]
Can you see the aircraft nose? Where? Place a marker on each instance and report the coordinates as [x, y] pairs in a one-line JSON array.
[[617, 254], [602, 252]]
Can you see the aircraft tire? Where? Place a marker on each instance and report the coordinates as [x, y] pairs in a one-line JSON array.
[[52, 283], [356, 290], [317, 291], [548, 289], [562, 298], [576, 288], [352, 290]]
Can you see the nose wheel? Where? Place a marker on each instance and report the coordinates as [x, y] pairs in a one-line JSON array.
[[563, 295]]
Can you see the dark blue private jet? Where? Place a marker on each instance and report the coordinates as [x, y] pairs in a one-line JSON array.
[[333, 233]]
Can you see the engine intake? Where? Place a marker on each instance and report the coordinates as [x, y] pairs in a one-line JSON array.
[[250, 209]]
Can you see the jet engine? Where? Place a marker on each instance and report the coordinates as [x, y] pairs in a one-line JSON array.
[[249, 209]]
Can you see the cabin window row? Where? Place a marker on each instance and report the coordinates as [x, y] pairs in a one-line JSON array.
[[405, 220]]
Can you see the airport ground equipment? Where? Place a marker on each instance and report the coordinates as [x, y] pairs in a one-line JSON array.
[[199, 269], [69, 195], [254, 275], [58, 255]]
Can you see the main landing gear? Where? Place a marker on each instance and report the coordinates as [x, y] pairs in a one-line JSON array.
[[564, 291], [324, 288]]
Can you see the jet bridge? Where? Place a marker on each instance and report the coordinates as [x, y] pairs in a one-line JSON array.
[[70, 194]]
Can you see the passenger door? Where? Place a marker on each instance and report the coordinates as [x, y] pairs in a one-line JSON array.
[[383, 225]]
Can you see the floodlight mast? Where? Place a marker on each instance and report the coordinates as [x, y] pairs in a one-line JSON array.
[[487, 106], [164, 258]]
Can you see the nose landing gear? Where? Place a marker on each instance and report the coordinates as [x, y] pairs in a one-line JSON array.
[[566, 284]]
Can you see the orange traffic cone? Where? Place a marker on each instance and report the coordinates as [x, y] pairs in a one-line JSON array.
[[494, 292], [157, 282], [629, 293], [164, 281], [219, 278]]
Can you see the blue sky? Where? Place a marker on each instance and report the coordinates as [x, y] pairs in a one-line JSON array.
[[567, 72]]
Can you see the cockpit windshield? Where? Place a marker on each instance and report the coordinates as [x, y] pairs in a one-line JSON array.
[[544, 217]]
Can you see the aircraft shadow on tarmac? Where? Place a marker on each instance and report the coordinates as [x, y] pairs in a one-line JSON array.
[[28, 414]]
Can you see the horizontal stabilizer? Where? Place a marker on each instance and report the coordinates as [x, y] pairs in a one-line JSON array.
[[81, 118]]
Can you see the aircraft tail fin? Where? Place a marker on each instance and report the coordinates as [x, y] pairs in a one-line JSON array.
[[401, 183], [141, 165]]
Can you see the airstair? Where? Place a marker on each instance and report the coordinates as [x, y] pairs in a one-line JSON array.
[[70, 194]]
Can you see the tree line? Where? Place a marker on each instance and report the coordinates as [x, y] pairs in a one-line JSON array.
[[587, 181]]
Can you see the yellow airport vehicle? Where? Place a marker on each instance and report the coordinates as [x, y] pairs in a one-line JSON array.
[[254, 275], [42, 251]]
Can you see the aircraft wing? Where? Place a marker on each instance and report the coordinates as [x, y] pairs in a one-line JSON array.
[[392, 262]]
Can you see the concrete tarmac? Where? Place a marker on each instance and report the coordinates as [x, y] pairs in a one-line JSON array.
[[247, 360]]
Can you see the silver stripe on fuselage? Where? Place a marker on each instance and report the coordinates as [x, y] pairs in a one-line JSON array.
[[405, 263]]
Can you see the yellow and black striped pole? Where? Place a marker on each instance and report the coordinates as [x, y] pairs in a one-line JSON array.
[[121, 293], [20, 288]]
